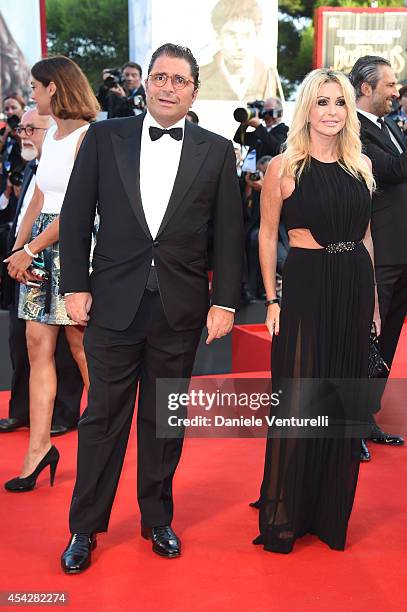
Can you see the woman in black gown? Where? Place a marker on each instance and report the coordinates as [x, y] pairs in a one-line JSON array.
[[322, 186]]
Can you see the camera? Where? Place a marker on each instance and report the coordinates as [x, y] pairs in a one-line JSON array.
[[14, 172], [115, 78], [255, 176], [13, 122], [16, 178], [255, 108]]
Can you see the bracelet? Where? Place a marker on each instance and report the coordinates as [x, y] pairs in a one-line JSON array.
[[270, 302], [29, 252], [14, 251]]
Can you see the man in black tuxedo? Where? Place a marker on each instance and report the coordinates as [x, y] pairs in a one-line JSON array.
[[157, 182], [70, 386], [269, 134], [375, 85]]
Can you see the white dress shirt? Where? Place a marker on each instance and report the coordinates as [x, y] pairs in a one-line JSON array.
[[373, 118], [159, 161]]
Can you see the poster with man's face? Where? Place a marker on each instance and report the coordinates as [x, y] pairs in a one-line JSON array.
[[234, 42], [20, 45]]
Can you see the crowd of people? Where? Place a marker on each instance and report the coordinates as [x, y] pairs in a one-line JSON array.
[[110, 229]]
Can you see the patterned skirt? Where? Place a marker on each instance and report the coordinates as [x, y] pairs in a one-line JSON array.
[[44, 303]]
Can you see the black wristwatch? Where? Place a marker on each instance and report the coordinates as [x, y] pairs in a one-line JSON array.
[[270, 302]]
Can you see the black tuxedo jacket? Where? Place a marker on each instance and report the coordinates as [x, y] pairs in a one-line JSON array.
[[8, 284], [265, 143], [29, 170], [106, 178], [389, 207]]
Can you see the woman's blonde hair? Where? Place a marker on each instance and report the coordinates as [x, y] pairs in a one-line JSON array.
[[296, 156]]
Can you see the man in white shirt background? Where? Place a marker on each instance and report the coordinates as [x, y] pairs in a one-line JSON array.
[[31, 131]]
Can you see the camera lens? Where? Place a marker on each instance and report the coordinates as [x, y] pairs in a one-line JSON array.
[[16, 178], [13, 122]]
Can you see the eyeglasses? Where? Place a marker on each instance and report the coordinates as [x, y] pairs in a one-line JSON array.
[[178, 81], [29, 130]]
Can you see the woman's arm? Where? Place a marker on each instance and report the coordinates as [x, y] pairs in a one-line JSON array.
[[368, 242], [33, 210], [51, 233], [20, 261], [271, 201]]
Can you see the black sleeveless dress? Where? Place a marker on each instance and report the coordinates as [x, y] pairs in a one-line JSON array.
[[326, 314]]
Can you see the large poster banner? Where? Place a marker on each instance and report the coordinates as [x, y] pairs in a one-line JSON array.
[[20, 44], [345, 34], [234, 42]]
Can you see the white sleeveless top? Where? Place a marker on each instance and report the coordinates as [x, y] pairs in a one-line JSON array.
[[55, 167]]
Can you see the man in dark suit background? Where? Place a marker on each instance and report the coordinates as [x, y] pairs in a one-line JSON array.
[[375, 85], [32, 132], [157, 182]]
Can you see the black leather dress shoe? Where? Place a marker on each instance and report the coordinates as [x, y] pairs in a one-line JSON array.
[[77, 555], [364, 452], [59, 430], [165, 542], [7, 425], [380, 437]]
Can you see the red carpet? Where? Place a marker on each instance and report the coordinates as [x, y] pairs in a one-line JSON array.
[[220, 569]]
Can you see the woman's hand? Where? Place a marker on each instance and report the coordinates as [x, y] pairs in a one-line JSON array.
[[273, 319], [17, 267]]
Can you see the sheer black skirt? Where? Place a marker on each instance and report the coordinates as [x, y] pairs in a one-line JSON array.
[[327, 309]]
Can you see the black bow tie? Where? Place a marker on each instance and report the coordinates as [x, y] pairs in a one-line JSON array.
[[156, 133]]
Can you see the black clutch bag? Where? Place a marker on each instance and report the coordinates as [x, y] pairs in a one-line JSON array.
[[377, 367]]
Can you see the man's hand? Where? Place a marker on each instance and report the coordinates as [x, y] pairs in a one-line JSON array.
[[256, 185], [8, 189], [118, 89], [255, 121], [78, 306], [219, 323]]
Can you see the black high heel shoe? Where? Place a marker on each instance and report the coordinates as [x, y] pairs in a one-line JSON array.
[[20, 485]]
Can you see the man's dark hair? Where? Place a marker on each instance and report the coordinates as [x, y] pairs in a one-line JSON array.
[[403, 91], [132, 65], [366, 70], [194, 117], [225, 11], [172, 50]]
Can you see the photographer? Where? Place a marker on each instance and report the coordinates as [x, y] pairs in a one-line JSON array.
[[270, 131], [12, 165], [254, 183], [10, 146], [122, 93]]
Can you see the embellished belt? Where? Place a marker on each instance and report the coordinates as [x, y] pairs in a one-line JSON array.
[[340, 247]]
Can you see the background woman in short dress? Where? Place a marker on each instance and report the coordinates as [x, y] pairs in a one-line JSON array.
[[61, 90]]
